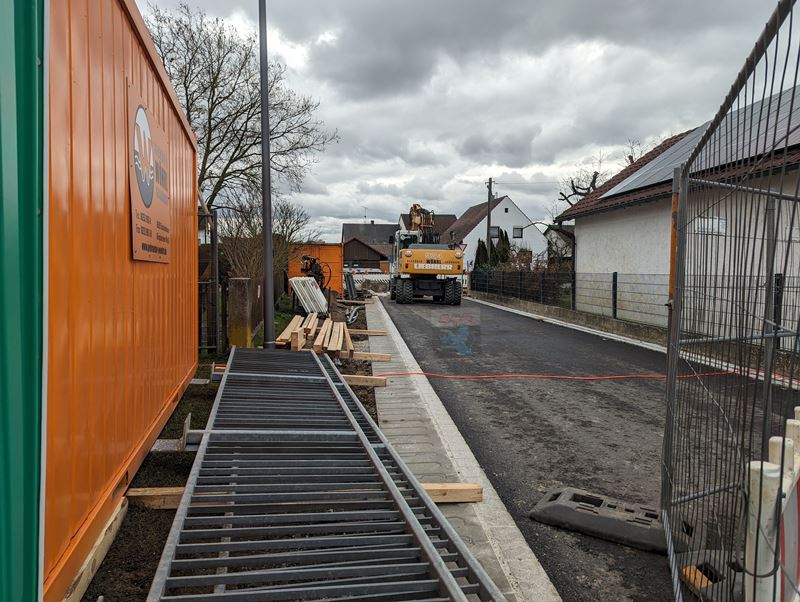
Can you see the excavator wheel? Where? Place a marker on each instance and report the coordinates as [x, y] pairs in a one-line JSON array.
[[449, 292], [405, 291], [456, 293]]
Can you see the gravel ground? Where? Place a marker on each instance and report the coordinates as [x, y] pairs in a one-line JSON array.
[[533, 435]]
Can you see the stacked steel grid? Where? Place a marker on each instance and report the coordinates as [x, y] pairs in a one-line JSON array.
[[295, 494], [732, 444]]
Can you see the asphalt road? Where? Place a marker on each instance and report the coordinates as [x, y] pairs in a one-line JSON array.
[[533, 435]]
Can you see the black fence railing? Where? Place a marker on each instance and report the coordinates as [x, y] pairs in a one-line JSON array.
[[633, 297]]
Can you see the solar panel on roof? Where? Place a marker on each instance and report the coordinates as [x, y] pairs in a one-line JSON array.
[[735, 124]]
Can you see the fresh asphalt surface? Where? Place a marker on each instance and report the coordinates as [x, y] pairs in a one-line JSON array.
[[533, 435]]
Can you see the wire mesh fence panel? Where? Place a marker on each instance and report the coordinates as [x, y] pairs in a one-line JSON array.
[[643, 298], [594, 293], [729, 500]]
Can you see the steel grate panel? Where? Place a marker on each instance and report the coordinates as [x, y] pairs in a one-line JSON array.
[[296, 495]]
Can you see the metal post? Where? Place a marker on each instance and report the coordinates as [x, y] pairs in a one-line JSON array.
[[574, 288], [519, 284], [777, 310], [614, 295], [215, 304], [541, 287], [266, 182], [489, 198], [769, 342], [501, 283], [680, 191]]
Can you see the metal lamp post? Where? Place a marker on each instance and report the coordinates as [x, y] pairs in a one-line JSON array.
[[266, 182]]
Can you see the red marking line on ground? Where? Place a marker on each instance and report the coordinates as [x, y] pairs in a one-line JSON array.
[[551, 376]]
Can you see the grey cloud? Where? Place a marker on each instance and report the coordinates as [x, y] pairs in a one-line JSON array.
[[445, 93], [512, 148]]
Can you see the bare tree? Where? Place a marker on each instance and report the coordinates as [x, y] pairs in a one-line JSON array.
[[588, 177], [240, 228], [215, 71], [633, 151]]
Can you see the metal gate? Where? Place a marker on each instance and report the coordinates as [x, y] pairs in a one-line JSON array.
[[295, 494], [729, 500]]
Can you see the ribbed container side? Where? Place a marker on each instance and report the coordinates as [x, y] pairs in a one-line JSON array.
[[122, 334], [21, 143]]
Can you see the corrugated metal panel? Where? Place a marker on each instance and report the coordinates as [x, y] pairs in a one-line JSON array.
[[122, 334], [21, 38], [660, 169]]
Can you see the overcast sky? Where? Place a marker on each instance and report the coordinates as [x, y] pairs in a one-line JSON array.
[[432, 97]]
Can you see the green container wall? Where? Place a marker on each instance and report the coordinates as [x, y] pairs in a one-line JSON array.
[[21, 180]]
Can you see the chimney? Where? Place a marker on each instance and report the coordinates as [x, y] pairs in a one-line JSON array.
[[372, 221]]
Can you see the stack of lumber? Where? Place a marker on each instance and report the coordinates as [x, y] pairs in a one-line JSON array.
[[326, 336]]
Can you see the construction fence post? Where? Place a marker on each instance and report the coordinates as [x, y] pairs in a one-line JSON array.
[[501, 283], [541, 286], [777, 310], [614, 295], [519, 283], [574, 288]]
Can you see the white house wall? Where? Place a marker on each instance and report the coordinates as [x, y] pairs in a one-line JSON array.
[[634, 242], [532, 238], [724, 274]]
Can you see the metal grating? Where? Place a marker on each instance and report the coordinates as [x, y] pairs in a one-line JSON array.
[[295, 494]]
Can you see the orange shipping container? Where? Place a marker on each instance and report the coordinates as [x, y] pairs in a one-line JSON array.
[[330, 257], [121, 334]]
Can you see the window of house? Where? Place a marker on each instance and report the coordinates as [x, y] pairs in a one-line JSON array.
[[505, 210], [711, 225], [517, 232]]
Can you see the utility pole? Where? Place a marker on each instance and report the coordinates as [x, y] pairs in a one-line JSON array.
[[489, 199], [266, 182]]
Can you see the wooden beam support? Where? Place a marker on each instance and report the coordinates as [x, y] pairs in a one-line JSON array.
[[348, 342], [372, 357], [159, 498], [168, 498], [454, 493], [324, 332], [96, 555], [369, 332], [286, 336], [364, 381]]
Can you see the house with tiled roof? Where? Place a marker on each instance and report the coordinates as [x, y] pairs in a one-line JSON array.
[[471, 227], [625, 225]]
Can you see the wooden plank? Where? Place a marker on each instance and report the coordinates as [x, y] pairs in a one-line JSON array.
[[453, 493], [369, 332], [326, 343], [96, 555], [323, 332], [286, 336], [159, 498], [168, 498], [364, 381], [298, 339], [694, 579], [337, 338], [372, 357], [348, 342], [311, 326]]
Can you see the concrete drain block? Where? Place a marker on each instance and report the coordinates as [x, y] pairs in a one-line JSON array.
[[602, 517]]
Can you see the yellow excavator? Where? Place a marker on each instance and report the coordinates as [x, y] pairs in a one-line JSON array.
[[421, 266]]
